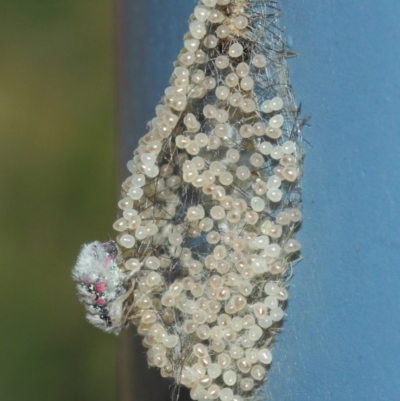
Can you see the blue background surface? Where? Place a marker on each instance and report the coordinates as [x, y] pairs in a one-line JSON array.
[[341, 338]]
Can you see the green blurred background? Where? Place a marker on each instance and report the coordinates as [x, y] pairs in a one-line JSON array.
[[57, 180]]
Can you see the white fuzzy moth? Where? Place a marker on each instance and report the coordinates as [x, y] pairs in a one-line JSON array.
[[206, 237], [100, 285]]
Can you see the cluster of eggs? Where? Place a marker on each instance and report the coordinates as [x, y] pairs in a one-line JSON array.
[[210, 209]]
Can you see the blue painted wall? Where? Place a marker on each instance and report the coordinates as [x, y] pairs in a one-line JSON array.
[[341, 339], [342, 336]]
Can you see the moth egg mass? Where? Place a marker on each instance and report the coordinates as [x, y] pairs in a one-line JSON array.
[[205, 237]]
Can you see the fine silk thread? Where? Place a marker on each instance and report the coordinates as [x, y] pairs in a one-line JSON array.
[[205, 243]]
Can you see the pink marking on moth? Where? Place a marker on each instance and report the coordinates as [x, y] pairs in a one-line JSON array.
[[100, 301], [100, 287]]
